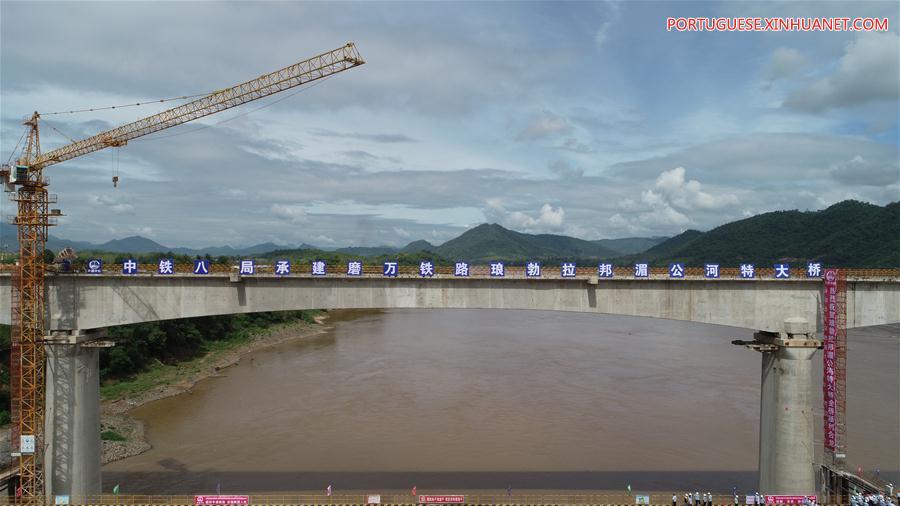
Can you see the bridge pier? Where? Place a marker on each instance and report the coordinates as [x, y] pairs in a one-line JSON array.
[[786, 448], [72, 419]]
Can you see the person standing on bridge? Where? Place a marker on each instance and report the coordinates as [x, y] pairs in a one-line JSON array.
[[674, 500], [687, 499], [704, 499], [697, 498]]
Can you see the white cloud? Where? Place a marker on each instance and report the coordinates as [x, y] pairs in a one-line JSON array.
[[402, 232], [786, 62], [548, 218], [110, 204], [675, 190], [290, 213], [546, 124], [860, 172], [869, 71]]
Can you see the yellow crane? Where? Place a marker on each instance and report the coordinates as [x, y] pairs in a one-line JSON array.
[[34, 216]]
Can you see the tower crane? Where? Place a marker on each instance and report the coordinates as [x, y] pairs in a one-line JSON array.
[[29, 186]]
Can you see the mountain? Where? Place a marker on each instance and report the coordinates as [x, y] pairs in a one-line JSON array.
[[367, 251], [137, 245], [630, 245], [849, 233], [417, 246], [493, 242], [133, 244]]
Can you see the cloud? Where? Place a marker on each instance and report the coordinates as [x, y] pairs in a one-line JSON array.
[[292, 214], [110, 204], [575, 146], [869, 71], [544, 125], [548, 218], [857, 171], [766, 159], [786, 62], [380, 138], [672, 188], [565, 170]]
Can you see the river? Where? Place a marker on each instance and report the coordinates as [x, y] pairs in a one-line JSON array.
[[476, 399]]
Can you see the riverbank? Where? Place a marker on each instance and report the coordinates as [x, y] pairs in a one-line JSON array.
[[124, 436]]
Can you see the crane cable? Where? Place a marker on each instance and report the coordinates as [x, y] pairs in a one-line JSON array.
[[13, 153], [313, 85], [92, 109]]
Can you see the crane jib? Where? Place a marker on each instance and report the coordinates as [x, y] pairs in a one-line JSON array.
[[312, 69]]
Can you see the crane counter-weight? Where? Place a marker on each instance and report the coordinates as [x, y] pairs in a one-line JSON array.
[[28, 186]]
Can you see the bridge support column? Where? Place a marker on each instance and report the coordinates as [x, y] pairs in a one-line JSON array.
[[786, 449], [72, 417]]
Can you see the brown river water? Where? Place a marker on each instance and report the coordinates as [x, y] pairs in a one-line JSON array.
[[476, 399]]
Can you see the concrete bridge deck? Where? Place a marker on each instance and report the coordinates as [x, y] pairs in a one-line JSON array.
[[80, 301]]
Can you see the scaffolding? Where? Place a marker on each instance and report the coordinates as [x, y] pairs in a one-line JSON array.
[[834, 370]]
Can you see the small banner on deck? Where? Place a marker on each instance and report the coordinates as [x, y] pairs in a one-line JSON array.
[[202, 500], [789, 499], [442, 499]]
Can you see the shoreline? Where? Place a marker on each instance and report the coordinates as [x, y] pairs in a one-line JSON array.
[[114, 413]]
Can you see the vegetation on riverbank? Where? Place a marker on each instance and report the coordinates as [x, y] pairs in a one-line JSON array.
[[158, 353], [148, 355]]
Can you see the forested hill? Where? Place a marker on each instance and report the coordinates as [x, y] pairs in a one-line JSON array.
[[849, 233]]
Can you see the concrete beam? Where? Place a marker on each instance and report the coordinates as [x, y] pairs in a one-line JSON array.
[[86, 302]]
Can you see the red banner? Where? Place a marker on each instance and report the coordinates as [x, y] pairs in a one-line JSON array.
[[201, 500], [789, 499], [829, 385], [442, 499]]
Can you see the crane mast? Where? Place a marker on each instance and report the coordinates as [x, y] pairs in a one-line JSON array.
[[34, 216]]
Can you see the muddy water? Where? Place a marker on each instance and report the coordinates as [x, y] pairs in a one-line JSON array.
[[484, 399]]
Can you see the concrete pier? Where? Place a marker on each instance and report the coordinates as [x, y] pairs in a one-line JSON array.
[[786, 451], [72, 420]]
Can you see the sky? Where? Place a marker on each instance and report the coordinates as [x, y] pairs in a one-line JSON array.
[[587, 119]]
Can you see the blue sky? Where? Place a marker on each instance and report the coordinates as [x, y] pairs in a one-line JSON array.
[[587, 119]]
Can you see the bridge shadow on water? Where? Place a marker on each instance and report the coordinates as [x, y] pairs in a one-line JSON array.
[[183, 481]]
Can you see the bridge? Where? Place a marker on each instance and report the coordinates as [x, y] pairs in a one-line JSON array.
[[786, 314]]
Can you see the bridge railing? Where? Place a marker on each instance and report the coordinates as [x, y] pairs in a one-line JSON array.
[[359, 499], [550, 271]]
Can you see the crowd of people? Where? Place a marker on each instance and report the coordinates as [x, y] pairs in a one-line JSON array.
[[856, 499], [873, 500]]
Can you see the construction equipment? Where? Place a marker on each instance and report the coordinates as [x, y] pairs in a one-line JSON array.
[[35, 216]]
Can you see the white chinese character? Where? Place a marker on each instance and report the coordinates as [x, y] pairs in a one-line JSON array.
[[462, 269], [390, 268], [166, 266], [496, 268], [426, 269], [354, 268], [318, 268], [712, 270], [129, 266], [533, 270], [567, 270], [605, 270], [201, 266], [782, 271], [676, 271], [247, 267], [640, 270], [282, 267], [747, 271], [814, 270]]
